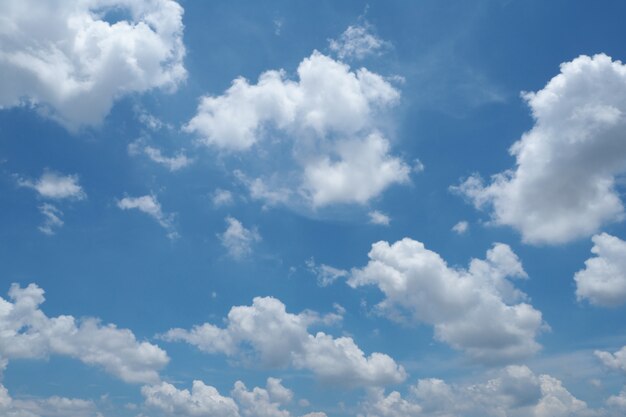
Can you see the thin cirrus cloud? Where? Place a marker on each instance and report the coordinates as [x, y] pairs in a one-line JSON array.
[[331, 115], [279, 339], [74, 63], [28, 333], [476, 310], [563, 186]]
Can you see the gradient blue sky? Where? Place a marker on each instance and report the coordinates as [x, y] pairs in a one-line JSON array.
[[128, 202]]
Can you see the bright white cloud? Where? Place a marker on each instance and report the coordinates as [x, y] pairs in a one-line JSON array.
[[55, 186], [563, 185], [357, 42], [46, 407], [149, 205], [237, 239], [603, 280], [26, 332], [52, 219], [261, 402], [461, 227], [477, 310], [515, 392], [70, 61], [325, 274], [330, 116], [376, 217], [265, 333], [615, 360]]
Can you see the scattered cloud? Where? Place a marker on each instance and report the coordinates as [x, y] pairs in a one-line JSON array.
[[172, 163], [28, 333], [265, 333], [563, 185], [52, 219], [477, 310], [55, 186], [237, 239], [46, 407], [358, 42], [603, 280], [461, 227], [615, 360], [221, 198], [325, 274], [74, 64], [376, 217], [149, 205]]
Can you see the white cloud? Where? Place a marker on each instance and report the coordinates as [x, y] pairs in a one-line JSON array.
[[202, 401], [618, 401], [28, 333], [357, 42], [172, 163], [515, 392], [563, 185], [325, 274], [603, 281], [376, 217], [46, 407], [66, 58], [477, 310], [330, 115], [615, 360], [265, 333], [55, 186], [149, 205], [222, 198], [261, 402], [461, 227], [237, 239], [52, 219]]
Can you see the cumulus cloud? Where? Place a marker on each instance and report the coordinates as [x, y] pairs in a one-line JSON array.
[[331, 116], [603, 280], [28, 333], [563, 185], [615, 360], [461, 227], [379, 218], [72, 63], [149, 205], [358, 42], [237, 239], [261, 402], [515, 392], [477, 310], [267, 334], [46, 407], [55, 186]]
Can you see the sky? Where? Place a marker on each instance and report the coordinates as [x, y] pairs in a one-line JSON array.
[[312, 209]]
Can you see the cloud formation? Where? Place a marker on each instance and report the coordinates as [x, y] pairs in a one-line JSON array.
[[72, 63], [358, 42], [149, 205], [237, 239], [563, 184], [55, 186], [477, 310]]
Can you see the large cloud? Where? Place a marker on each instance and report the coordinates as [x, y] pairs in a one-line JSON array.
[[67, 56], [476, 310], [563, 185], [267, 333], [26, 332], [331, 117], [603, 280]]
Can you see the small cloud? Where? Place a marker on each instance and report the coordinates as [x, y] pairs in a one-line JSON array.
[[149, 120], [418, 166], [358, 42], [52, 219], [172, 163], [461, 227], [325, 274], [55, 186], [222, 198], [149, 205], [376, 217], [237, 239], [278, 26]]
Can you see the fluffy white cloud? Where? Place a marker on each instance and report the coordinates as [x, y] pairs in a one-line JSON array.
[[461, 227], [52, 219], [26, 332], [358, 42], [603, 281], [237, 239], [265, 333], [202, 401], [615, 360], [515, 392], [55, 186], [67, 58], [377, 217], [262, 402], [330, 116], [47, 407], [477, 310], [563, 184], [149, 205]]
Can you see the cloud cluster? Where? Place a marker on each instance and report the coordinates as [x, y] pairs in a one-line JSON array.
[[330, 118], [266, 333], [28, 333], [48, 407], [603, 280], [563, 186], [477, 310], [73, 62], [515, 392]]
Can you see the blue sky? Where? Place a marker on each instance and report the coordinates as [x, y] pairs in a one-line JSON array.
[[309, 209]]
